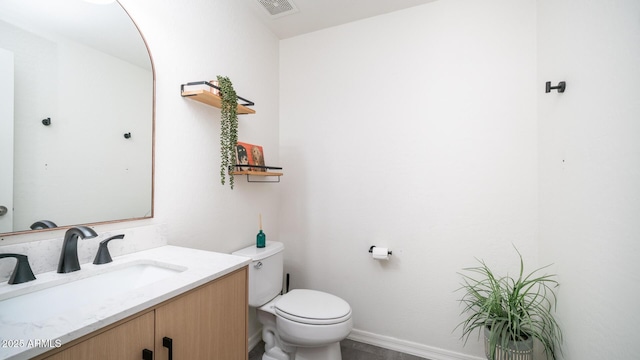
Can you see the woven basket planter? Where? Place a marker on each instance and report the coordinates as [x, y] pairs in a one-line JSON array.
[[515, 350]]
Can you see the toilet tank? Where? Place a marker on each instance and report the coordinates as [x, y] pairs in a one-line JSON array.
[[265, 271]]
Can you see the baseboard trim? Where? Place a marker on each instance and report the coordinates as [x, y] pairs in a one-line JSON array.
[[391, 343], [255, 339], [408, 347]]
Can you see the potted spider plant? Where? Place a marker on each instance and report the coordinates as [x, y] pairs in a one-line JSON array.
[[228, 129], [511, 312]]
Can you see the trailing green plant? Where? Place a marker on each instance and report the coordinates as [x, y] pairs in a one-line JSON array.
[[228, 129], [511, 309]]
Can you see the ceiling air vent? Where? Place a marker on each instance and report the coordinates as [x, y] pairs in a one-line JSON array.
[[278, 8]]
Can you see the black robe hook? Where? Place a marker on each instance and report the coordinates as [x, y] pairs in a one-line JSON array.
[[561, 87]]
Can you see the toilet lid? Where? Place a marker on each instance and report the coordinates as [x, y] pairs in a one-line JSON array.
[[312, 307]]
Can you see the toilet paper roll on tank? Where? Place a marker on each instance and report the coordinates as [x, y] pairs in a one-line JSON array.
[[380, 253]]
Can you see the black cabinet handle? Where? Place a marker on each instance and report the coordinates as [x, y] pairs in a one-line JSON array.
[[168, 343], [147, 354]]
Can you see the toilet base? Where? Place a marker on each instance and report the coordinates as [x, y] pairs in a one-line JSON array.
[[328, 352], [275, 354], [274, 349]]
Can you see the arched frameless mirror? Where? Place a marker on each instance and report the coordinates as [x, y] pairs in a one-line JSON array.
[[76, 115]]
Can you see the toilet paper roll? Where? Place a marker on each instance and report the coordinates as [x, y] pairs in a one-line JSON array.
[[380, 253]]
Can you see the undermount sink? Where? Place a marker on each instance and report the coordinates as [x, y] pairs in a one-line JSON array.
[[43, 301]]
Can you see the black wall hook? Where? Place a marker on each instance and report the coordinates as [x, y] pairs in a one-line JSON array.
[[46, 122], [561, 87], [127, 135]]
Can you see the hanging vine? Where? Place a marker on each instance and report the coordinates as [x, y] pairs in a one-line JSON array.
[[228, 130]]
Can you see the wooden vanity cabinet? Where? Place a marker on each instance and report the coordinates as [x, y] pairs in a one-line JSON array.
[[207, 323], [124, 341]]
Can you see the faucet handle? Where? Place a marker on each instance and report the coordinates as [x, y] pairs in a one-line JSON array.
[[22, 272], [43, 224], [103, 256]]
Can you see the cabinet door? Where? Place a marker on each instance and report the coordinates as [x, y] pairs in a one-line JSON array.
[[123, 342], [208, 323]]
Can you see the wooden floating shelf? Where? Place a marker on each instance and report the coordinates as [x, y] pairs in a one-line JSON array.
[[257, 173], [254, 172], [207, 96]]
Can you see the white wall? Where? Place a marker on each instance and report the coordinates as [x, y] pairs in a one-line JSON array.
[[416, 131], [589, 170], [197, 40], [189, 41]]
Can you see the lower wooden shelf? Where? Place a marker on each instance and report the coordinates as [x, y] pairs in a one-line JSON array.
[[260, 174], [257, 173]]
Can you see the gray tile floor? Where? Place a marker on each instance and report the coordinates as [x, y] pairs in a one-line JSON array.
[[352, 350]]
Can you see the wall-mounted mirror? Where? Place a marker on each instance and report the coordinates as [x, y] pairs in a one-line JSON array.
[[76, 115]]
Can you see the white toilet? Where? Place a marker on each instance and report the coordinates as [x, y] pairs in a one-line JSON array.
[[301, 324]]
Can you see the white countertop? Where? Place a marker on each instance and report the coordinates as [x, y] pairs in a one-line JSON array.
[[23, 340]]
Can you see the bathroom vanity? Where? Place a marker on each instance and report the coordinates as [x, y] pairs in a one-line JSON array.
[[193, 304], [206, 323]]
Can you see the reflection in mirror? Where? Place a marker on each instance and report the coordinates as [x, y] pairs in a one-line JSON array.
[[75, 79]]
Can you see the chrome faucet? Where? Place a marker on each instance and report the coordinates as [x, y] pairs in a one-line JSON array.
[[69, 254], [22, 272]]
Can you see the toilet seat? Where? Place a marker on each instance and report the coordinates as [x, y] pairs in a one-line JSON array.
[[312, 307]]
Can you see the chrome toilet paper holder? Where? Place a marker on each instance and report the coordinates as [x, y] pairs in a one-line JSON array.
[[371, 250]]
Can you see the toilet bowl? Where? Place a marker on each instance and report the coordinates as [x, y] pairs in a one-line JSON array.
[[311, 318], [302, 324]]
